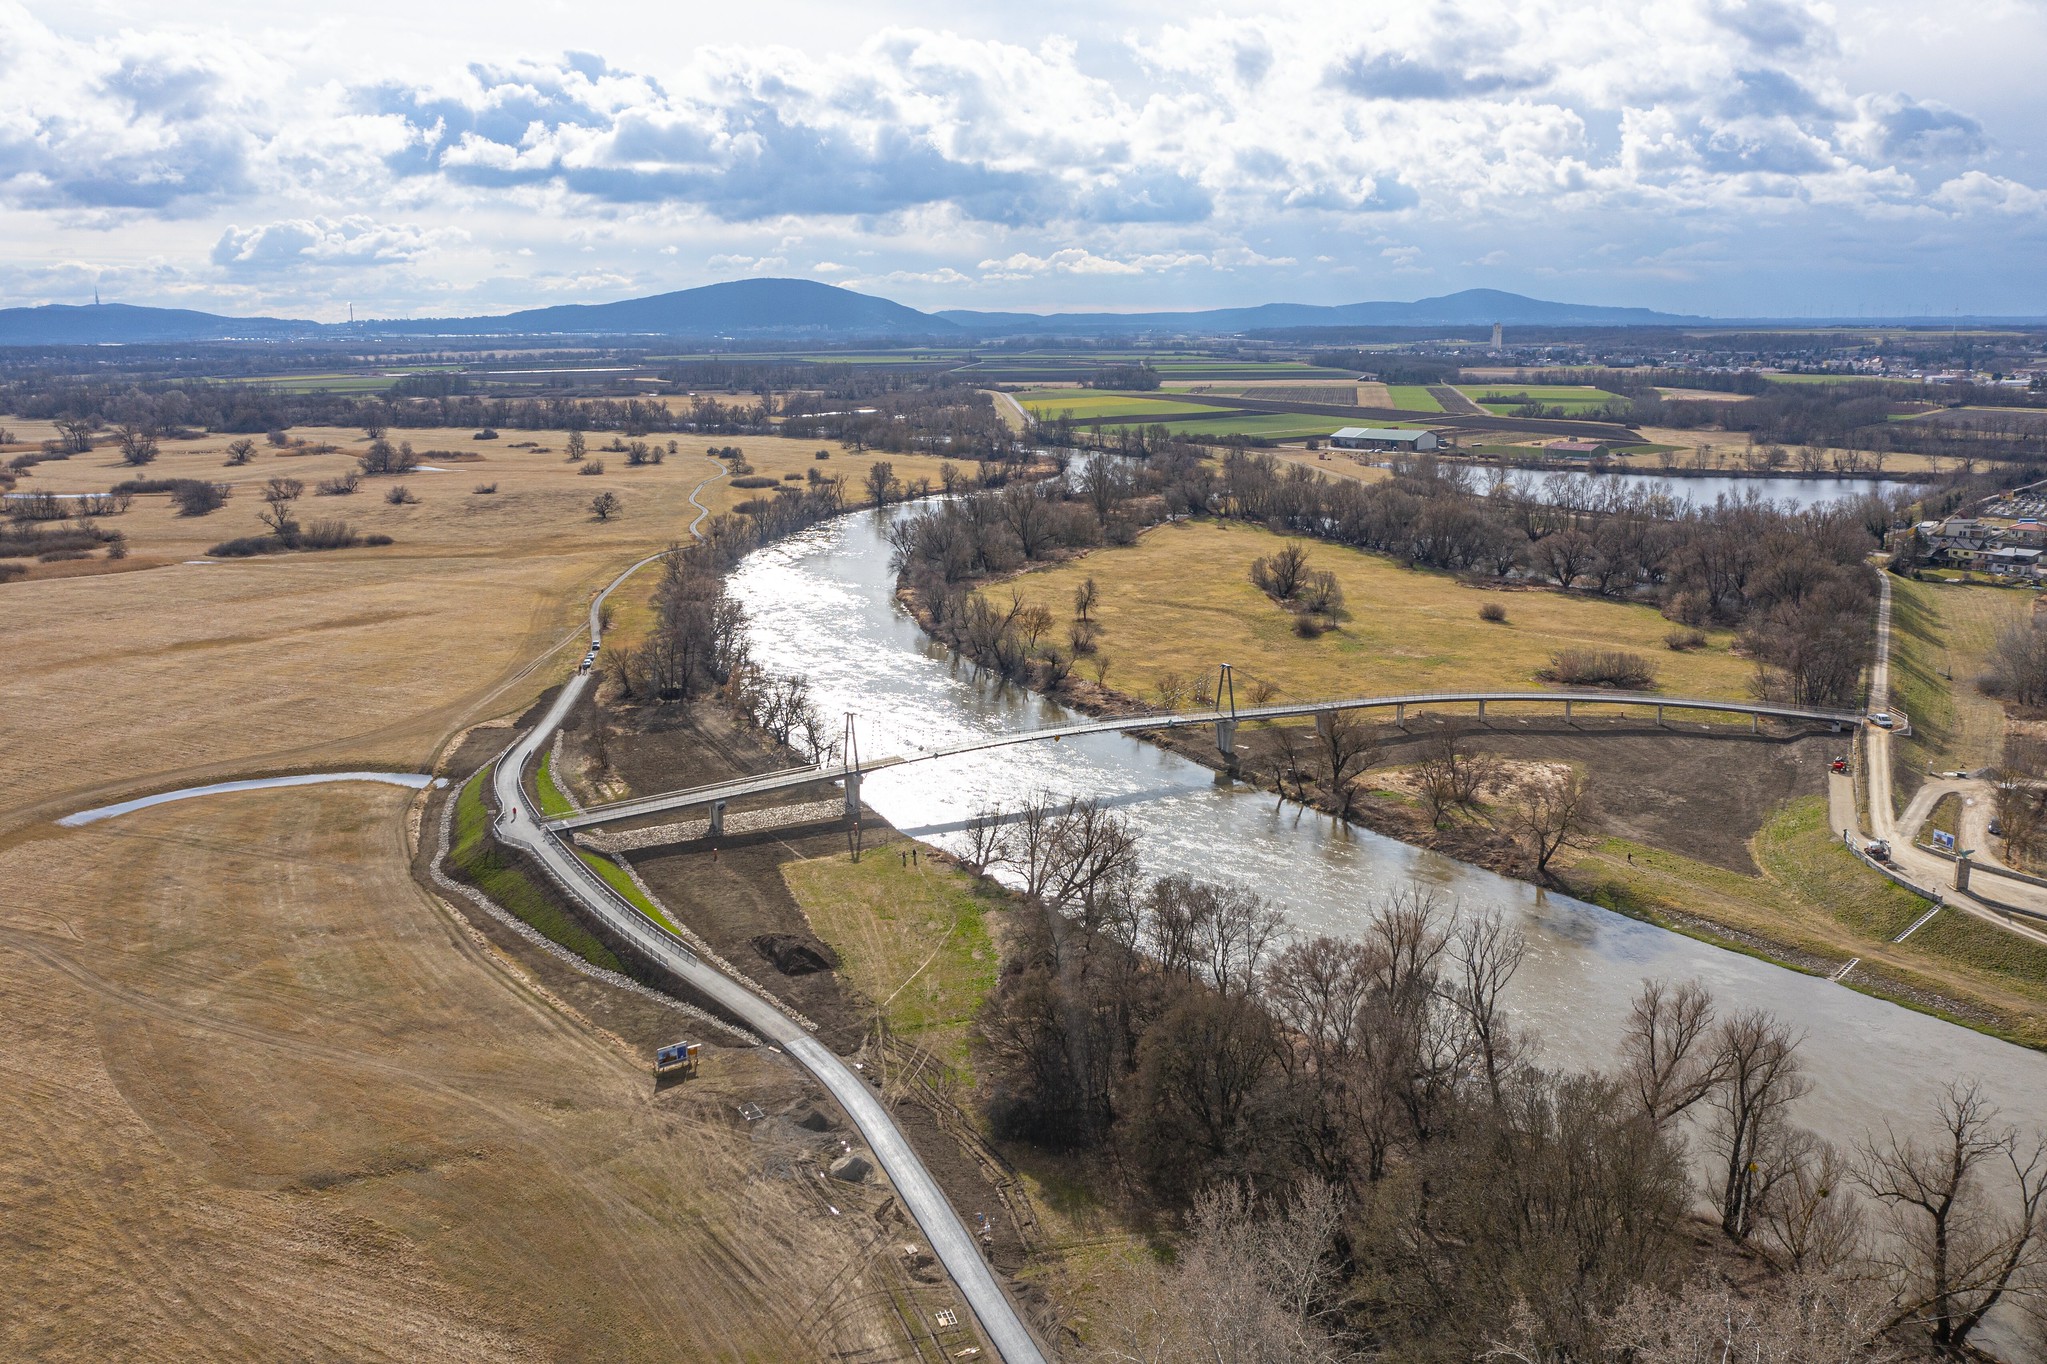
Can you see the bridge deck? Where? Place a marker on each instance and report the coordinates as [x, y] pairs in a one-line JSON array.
[[788, 778]]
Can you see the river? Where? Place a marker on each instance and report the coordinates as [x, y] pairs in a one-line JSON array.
[[1705, 489], [822, 603]]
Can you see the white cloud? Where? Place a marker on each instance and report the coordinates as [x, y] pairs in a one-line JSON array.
[[1231, 156]]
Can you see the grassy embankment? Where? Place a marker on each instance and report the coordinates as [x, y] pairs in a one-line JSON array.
[[1813, 899], [553, 802], [1941, 637], [1181, 600], [477, 860], [914, 940]]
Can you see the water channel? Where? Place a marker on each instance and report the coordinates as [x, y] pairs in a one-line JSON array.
[[822, 603]]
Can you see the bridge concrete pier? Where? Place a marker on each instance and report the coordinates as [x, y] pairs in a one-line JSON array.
[[1400, 715], [1226, 737], [1567, 712], [1481, 712], [1755, 724], [1962, 865], [852, 795], [717, 829], [1325, 721], [1659, 717]]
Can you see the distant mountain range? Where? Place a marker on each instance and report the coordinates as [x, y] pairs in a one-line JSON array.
[[801, 309]]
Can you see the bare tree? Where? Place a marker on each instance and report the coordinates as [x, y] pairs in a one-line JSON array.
[[240, 451], [1281, 576], [577, 447], [1757, 1056], [278, 495], [74, 435], [987, 839], [1346, 741], [606, 505], [138, 446], [1551, 809], [1810, 1224], [1961, 1245], [1667, 1059], [1084, 598], [1488, 951]]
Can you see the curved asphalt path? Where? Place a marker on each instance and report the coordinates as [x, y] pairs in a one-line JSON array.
[[519, 825]]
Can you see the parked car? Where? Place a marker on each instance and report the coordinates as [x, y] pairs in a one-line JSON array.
[[1878, 849], [1839, 765], [1997, 828], [1883, 719]]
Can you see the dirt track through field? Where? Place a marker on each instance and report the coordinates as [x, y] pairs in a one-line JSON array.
[[265, 1100]]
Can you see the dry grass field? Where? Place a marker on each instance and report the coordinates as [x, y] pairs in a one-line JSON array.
[[1181, 601], [267, 1101], [170, 671], [271, 1102]]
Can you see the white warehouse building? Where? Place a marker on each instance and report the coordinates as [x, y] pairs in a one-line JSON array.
[[1382, 438]]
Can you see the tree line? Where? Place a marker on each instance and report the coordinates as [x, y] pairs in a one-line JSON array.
[[1363, 1140]]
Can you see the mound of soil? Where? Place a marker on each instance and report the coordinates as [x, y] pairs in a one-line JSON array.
[[794, 956]]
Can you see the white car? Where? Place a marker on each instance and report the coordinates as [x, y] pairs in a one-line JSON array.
[[1883, 719]]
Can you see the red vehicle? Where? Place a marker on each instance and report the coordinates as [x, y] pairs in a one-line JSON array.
[[1840, 765]]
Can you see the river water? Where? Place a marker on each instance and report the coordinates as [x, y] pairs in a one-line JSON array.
[[822, 603], [1705, 489]]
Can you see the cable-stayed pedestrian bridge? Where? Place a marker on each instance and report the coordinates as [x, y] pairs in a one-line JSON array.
[[1225, 719]]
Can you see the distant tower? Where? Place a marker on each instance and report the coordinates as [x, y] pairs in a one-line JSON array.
[[95, 295], [1498, 330]]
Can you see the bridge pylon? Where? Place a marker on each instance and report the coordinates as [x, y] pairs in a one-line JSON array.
[[850, 747], [1226, 711]]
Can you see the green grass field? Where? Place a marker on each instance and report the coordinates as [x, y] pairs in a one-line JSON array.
[[1413, 398], [1268, 425], [913, 939], [1502, 399], [477, 861]]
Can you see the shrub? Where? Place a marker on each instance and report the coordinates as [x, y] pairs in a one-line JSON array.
[[1683, 641], [755, 481], [277, 437], [1492, 611], [591, 467], [1600, 668], [196, 497], [400, 496], [11, 571], [1309, 626], [59, 555], [485, 488], [329, 534], [753, 506], [793, 477], [246, 546], [822, 454], [378, 540], [339, 486], [486, 434]]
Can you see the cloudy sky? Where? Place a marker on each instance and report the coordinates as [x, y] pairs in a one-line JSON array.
[[1728, 157]]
